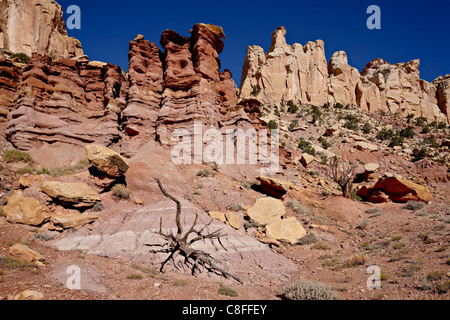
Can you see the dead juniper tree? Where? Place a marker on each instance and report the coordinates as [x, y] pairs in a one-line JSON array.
[[342, 176], [180, 244]]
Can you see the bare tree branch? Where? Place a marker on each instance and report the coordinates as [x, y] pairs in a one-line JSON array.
[[181, 245]]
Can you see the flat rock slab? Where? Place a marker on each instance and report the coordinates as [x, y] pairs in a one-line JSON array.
[[126, 234]]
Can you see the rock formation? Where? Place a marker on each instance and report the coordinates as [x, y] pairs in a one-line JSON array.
[[301, 74], [28, 26], [66, 101], [443, 94], [342, 80], [9, 81], [194, 87], [398, 89], [298, 73]]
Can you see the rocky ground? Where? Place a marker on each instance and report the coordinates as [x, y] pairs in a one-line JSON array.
[[343, 236]]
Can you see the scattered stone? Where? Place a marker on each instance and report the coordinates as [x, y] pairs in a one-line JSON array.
[[397, 190], [29, 295], [25, 253], [76, 194], [266, 210], [233, 220], [365, 146], [289, 229], [29, 211], [274, 187], [218, 216], [307, 159], [72, 220], [371, 167], [106, 160]]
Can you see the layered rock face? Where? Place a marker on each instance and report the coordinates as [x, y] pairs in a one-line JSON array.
[[298, 73], [301, 74], [398, 89], [194, 87], [9, 81], [66, 101], [36, 26], [342, 80], [443, 94]]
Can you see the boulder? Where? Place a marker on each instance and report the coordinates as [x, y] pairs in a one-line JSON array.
[[365, 146], [371, 167], [233, 220], [24, 210], [72, 220], [25, 253], [397, 190], [289, 230], [266, 210], [106, 160], [75, 194], [307, 159], [274, 187], [29, 295]]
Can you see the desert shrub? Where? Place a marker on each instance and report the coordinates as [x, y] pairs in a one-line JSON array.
[[25, 170], [352, 122], [366, 128], [205, 173], [23, 58], [134, 276], [372, 210], [407, 133], [234, 207], [363, 225], [415, 265], [385, 134], [272, 125], [357, 260], [435, 275], [227, 291], [324, 142], [420, 121], [431, 141], [308, 290], [255, 91], [121, 192], [321, 246], [316, 114], [443, 288], [306, 147], [396, 141], [16, 156], [99, 206], [339, 106], [310, 238], [414, 205], [43, 171], [293, 125], [292, 107]]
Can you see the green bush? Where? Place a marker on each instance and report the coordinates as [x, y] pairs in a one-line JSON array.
[[366, 128], [16, 156], [396, 141], [292, 107], [306, 147], [385, 134], [308, 290], [25, 170], [23, 58], [273, 125], [205, 173], [227, 291], [407, 133]]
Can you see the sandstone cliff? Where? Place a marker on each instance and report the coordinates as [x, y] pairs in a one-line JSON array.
[[301, 74], [36, 26], [285, 73], [76, 102]]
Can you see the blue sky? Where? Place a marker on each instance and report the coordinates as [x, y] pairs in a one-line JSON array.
[[410, 29]]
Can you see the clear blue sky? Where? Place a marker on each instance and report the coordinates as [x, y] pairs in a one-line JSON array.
[[410, 29]]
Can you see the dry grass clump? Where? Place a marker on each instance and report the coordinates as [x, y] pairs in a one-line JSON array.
[[308, 290], [121, 192]]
